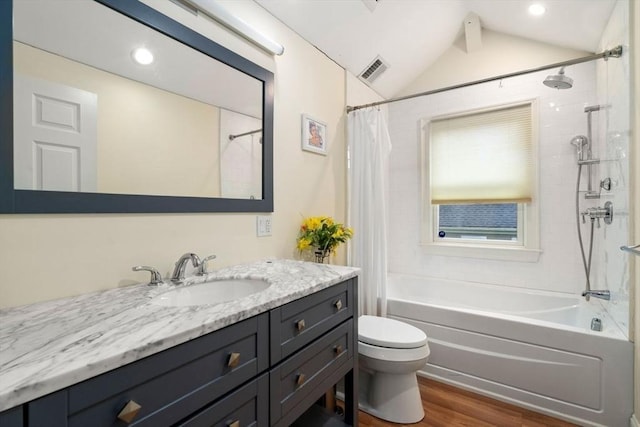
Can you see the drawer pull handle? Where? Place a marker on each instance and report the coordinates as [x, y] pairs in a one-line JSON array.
[[338, 304], [235, 423], [129, 412], [300, 379], [300, 325], [234, 360], [338, 350]]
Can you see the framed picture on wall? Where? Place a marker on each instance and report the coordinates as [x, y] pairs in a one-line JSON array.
[[314, 135]]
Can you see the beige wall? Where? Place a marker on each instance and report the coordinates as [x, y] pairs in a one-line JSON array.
[[50, 256], [146, 136], [500, 54], [359, 93]]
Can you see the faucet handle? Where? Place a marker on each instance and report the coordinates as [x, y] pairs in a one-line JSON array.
[[202, 268], [156, 277], [584, 216]]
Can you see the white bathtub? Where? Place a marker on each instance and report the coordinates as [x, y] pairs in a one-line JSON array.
[[530, 348]]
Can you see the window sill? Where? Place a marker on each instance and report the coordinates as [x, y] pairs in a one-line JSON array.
[[500, 253]]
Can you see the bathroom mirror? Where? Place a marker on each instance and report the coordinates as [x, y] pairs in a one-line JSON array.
[[90, 129]]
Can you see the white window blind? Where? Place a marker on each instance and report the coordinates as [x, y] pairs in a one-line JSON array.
[[483, 157]]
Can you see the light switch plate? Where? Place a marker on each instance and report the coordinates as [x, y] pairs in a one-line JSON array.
[[263, 225]]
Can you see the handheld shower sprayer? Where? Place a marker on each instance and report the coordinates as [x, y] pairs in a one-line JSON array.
[[580, 142]]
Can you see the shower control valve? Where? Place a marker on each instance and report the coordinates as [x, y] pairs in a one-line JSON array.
[[596, 213]]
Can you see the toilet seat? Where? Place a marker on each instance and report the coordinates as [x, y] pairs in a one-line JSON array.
[[394, 354], [389, 333]]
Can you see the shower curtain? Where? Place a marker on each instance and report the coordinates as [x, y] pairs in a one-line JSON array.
[[369, 147]]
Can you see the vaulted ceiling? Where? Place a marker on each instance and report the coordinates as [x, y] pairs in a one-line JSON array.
[[410, 35]]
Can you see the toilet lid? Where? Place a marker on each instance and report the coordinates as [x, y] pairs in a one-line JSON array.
[[384, 332]]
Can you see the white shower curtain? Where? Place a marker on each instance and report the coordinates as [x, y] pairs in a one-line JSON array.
[[369, 147]]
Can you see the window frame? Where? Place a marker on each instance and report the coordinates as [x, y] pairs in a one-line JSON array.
[[525, 250]]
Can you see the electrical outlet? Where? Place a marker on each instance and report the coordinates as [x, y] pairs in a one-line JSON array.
[[263, 225]]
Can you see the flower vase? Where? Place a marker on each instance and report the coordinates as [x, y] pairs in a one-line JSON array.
[[321, 255]]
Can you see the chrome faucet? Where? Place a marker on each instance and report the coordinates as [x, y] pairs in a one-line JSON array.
[[178, 272], [602, 294]]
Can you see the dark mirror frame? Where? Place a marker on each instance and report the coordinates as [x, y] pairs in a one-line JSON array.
[[34, 201]]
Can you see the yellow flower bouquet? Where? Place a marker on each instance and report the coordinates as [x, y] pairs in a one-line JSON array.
[[323, 235]]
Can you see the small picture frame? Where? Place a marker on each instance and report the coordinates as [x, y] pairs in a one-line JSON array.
[[314, 135]]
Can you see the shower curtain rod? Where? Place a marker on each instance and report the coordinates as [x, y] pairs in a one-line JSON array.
[[232, 137], [616, 52]]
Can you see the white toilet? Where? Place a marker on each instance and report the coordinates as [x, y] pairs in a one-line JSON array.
[[390, 353]]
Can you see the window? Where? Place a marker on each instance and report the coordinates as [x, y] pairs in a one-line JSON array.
[[494, 221], [480, 183]]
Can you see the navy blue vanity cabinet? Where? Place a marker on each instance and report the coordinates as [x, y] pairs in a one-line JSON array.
[[270, 369], [314, 344], [12, 417]]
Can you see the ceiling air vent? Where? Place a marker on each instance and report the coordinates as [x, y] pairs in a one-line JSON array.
[[373, 71]]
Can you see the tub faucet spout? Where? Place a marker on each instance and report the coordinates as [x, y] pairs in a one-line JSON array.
[[602, 294]]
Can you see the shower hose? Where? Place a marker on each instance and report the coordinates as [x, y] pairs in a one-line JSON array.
[[586, 263]]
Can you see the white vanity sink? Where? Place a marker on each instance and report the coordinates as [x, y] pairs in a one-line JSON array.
[[212, 292]]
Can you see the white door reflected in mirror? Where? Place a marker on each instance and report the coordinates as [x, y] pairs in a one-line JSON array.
[[55, 136]]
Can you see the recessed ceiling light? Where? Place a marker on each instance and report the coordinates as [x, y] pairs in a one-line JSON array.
[[537, 9], [142, 56]]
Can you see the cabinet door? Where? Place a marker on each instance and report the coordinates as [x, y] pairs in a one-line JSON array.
[[299, 381], [11, 417], [50, 410], [299, 323], [164, 388], [248, 406]]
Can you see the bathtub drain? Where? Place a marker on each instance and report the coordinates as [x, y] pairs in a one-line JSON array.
[[596, 324]]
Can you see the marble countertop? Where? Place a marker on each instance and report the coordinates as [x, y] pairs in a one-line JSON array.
[[48, 346]]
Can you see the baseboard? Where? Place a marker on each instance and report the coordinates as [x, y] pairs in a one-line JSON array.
[[633, 421]]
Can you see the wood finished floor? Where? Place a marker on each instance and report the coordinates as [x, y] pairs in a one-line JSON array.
[[447, 406]]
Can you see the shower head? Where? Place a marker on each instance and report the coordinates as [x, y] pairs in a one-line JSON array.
[[559, 81]]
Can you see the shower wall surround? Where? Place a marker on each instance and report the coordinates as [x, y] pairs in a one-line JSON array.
[[612, 143], [561, 117]]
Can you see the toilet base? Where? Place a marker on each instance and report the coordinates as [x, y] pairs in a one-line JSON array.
[[392, 397]]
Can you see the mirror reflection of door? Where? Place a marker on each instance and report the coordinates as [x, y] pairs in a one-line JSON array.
[[55, 136]]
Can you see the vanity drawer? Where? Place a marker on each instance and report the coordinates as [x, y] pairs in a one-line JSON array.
[[248, 406], [169, 385], [299, 322], [303, 378], [11, 417]]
